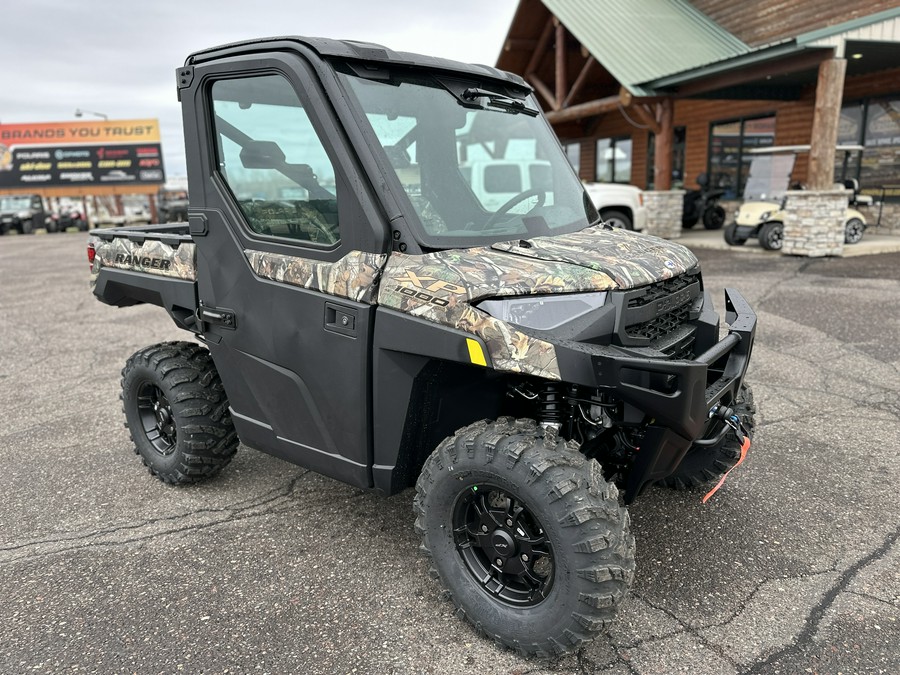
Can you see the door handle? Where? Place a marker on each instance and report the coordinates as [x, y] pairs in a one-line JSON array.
[[340, 319], [216, 316]]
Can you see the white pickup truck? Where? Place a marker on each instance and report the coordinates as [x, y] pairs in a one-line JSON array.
[[620, 205], [495, 181]]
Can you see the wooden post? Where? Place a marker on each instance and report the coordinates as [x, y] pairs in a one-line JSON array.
[[561, 83], [662, 161], [829, 93]]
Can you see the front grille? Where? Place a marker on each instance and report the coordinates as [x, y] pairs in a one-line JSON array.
[[659, 326], [658, 316]]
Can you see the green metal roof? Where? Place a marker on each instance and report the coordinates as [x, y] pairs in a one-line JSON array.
[[643, 40]]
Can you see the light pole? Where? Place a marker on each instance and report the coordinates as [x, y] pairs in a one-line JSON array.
[[81, 113]]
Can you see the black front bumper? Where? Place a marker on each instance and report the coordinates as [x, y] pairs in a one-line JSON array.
[[674, 396]]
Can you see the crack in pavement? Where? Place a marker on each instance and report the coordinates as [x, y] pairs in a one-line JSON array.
[[874, 598], [692, 631], [815, 616], [150, 529]]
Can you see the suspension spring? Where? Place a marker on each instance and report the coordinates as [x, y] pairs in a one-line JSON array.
[[551, 405]]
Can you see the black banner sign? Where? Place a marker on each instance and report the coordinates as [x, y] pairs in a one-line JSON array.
[[38, 166]]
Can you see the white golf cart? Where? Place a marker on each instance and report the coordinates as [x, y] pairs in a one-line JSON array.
[[762, 213]]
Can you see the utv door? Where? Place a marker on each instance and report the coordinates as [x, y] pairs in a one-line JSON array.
[[289, 242]]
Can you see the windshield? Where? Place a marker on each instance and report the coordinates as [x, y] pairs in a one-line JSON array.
[[769, 177], [478, 165], [15, 203]]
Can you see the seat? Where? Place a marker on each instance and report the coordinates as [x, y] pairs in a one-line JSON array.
[[857, 199]]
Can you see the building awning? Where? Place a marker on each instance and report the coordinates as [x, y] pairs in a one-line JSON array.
[[780, 70]]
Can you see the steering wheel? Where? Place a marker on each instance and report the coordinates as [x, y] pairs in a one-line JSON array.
[[519, 198]]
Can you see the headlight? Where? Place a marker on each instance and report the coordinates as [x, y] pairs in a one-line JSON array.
[[764, 216], [543, 312]]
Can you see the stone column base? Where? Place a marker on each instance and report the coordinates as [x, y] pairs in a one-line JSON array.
[[814, 222], [664, 209]]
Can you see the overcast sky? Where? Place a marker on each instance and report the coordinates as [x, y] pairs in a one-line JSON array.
[[119, 57]]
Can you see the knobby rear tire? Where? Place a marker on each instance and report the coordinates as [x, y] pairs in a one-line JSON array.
[[198, 439]]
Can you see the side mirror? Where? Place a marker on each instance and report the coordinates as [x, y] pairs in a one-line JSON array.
[[262, 155]]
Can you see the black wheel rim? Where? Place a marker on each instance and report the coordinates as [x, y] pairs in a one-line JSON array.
[[776, 236], [157, 419], [503, 546]]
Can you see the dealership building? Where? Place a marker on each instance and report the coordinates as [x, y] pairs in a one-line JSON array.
[[656, 92]]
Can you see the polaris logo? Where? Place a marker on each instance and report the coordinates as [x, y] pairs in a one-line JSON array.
[[146, 261]]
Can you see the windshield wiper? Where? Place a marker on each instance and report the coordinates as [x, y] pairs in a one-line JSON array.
[[507, 103]]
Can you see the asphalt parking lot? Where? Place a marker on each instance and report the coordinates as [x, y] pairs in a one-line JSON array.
[[793, 567]]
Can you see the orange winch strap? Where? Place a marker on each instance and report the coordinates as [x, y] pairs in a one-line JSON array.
[[745, 446]]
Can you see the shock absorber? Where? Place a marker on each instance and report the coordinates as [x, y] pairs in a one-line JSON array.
[[551, 406]]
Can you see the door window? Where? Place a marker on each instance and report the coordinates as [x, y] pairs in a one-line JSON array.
[[271, 157]]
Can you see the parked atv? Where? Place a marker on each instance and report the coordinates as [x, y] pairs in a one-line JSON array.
[[703, 204], [762, 213], [24, 213]]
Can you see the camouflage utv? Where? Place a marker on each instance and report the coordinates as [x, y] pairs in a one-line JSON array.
[[361, 309]]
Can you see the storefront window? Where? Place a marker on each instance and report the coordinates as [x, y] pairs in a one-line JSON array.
[[613, 160], [850, 131], [880, 165], [729, 142], [874, 124]]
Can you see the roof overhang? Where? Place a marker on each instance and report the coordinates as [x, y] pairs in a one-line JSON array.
[[770, 72], [782, 70]]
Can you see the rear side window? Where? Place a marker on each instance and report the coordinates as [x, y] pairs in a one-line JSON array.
[[273, 161]]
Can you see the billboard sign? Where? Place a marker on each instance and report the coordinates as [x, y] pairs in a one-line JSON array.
[[90, 155]]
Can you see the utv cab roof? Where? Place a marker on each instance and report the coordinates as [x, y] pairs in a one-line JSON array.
[[352, 50]]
